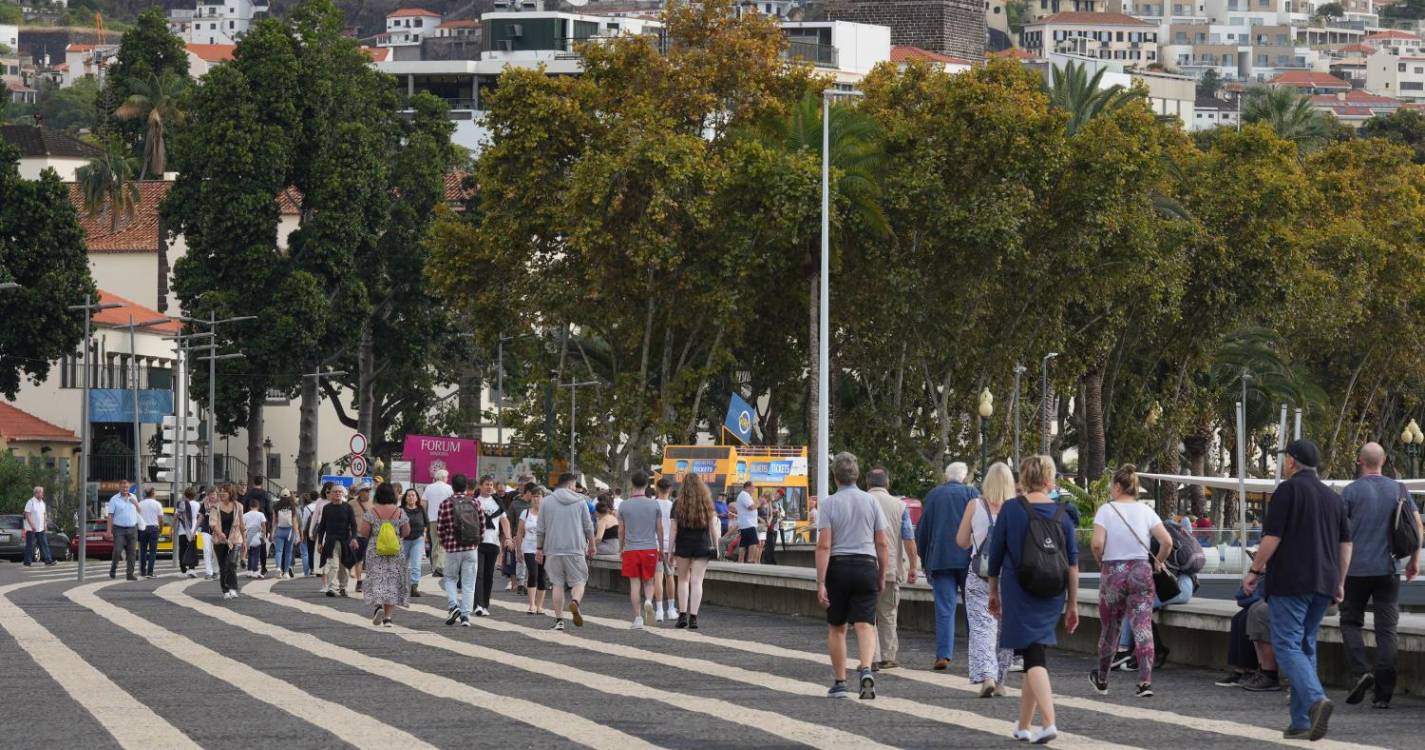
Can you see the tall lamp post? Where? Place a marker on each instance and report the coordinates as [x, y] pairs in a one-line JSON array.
[[1413, 438], [89, 308], [1014, 404], [574, 425], [212, 323], [1045, 418], [132, 328], [823, 333], [987, 410]]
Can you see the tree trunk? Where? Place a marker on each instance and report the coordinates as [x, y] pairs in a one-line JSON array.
[[1095, 448], [255, 463], [1196, 445], [813, 370], [307, 433], [1172, 459], [366, 382]]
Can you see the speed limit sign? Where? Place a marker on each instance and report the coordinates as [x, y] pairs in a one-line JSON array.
[[358, 444], [358, 466]]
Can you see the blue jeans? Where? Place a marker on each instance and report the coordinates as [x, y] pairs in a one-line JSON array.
[[945, 584], [148, 550], [1295, 621], [460, 568], [307, 567], [37, 538], [414, 550], [282, 549], [1185, 592], [255, 553]]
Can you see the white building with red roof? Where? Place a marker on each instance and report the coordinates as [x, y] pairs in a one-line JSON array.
[[1397, 74], [1394, 40], [407, 27], [216, 21]]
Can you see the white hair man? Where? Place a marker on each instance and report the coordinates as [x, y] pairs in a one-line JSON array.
[[945, 563], [35, 521], [437, 492]]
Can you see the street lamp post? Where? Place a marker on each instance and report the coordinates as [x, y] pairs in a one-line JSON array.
[[132, 328], [823, 354], [1014, 404], [212, 323], [573, 425], [987, 410], [89, 307], [1045, 418], [1413, 438]]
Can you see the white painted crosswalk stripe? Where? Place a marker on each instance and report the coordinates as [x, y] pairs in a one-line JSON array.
[[129, 722], [561, 723], [348, 725], [793, 729]]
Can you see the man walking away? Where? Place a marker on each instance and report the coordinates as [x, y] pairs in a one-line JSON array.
[[1305, 554], [945, 563], [460, 527], [564, 544], [641, 546], [1372, 503], [852, 552], [664, 584], [35, 519], [436, 493], [151, 511], [749, 546], [123, 531], [900, 558]]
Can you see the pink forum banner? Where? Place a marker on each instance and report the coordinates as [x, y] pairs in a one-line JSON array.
[[431, 453]]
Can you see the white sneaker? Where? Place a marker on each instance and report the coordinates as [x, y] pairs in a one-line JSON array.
[[1045, 736], [657, 615], [637, 624], [1023, 735], [672, 611]]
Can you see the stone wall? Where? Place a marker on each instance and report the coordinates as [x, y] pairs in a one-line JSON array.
[[953, 27]]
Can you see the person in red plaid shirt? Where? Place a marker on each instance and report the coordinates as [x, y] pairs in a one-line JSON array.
[[461, 556]]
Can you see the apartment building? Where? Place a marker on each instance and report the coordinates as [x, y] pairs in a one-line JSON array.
[[1399, 75], [214, 22], [1102, 36]]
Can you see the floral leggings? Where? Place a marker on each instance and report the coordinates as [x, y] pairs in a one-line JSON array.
[[987, 660], [1126, 592]]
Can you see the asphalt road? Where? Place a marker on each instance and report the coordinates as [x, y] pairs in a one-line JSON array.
[[167, 663]]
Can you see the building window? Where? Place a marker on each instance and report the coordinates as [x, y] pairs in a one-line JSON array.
[[1400, 67], [1412, 86]]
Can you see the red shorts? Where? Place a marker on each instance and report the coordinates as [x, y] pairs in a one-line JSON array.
[[640, 563]]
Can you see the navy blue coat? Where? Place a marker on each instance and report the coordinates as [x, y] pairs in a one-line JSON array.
[[940, 515]]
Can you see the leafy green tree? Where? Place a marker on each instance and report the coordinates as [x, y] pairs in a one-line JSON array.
[[151, 62], [156, 102], [11, 14], [1403, 126], [41, 248], [1084, 97], [1330, 10], [1289, 113], [109, 180], [1210, 83]]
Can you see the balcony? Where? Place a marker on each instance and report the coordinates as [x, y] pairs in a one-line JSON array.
[[820, 55]]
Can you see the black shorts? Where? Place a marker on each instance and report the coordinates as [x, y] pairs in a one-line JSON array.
[[747, 538], [852, 585]]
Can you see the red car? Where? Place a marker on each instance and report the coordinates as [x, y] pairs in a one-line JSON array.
[[95, 545]]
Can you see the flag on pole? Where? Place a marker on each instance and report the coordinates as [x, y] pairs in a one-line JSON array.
[[740, 417]]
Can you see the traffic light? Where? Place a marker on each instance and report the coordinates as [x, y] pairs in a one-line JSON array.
[[177, 445]]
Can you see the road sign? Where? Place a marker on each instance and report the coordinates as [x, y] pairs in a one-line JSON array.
[[358, 444], [358, 466]]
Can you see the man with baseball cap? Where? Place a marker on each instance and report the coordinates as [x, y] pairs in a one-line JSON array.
[[1305, 554]]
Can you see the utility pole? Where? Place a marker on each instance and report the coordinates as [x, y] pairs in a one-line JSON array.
[[212, 323], [1018, 372], [573, 424], [132, 328], [89, 307]]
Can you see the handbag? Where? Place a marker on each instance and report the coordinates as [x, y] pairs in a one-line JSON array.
[[1165, 581], [979, 561]]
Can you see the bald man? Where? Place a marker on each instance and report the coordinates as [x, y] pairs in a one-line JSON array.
[[1374, 575]]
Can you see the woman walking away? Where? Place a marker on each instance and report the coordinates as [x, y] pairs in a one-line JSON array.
[[225, 522], [989, 664], [413, 542], [387, 573], [336, 533], [695, 537], [1034, 571], [526, 534], [286, 536], [359, 508], [1121, 529], [606, 526]]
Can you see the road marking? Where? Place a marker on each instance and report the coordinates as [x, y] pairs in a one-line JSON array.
[[1212, 726], [796, 730], [129, 722], [562, 723], [351, 726], [771, 681]]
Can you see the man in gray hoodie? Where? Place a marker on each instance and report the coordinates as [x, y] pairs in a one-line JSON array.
[[564, 544]]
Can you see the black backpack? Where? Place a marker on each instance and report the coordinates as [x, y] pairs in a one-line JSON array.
[[469, 526], [1043, 560], [1404, 534]]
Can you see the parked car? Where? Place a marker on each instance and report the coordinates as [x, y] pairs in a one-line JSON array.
[[12, 539], [95, 545]]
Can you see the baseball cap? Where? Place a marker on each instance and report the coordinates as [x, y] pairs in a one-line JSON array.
[[1305, 452]]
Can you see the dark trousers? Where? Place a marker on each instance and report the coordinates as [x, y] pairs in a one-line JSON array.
[[227, 567], [1241, 653], [148, 550], [126, 543], [1383, 594], [256, 554], [485, 577], [311, 552], [184, 544], [33, 539]]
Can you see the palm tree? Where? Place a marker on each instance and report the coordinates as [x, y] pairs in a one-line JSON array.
[[1083, 97], [109, 179], [155, 100], [1288, 112]]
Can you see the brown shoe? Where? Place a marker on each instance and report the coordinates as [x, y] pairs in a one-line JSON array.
[[941, 665], [888, 664]]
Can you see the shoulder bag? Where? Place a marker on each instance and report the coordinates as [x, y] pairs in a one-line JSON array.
[[1165, 581]]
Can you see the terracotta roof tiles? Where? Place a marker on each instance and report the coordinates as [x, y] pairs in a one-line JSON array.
[[23, 427], [136, 235]]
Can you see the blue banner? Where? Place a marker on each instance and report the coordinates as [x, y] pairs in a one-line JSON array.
[[117, 405], [346, 481], [740, 417]]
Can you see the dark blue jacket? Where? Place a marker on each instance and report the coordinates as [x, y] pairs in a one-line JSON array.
[[940, 516]]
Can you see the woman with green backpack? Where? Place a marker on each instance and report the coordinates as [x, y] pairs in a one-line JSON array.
[[387, 576]]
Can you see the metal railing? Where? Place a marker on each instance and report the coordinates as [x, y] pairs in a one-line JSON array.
[[1222, 548]]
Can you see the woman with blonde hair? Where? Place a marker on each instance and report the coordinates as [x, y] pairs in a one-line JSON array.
[[695, 537], [989, 664], [1029, 592]]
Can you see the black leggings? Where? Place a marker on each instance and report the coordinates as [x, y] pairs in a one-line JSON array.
[[485, 578], [1033, 656], [227, 567], [534, 574]]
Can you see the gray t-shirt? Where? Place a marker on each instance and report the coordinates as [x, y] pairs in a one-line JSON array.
[[640, 518], [1370, 506], [853, 517]]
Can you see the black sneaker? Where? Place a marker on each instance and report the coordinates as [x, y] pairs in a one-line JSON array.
[[838, 690], [1145, 690], [1100, 685], [868, 683], [452, 616], [341, 593], [1129, 666], [1262, 682], [682, 620], [1120, 659], [331, 593], [1320, 718], [558, 625], [1296, 734], [692, 622], [1231, 679], [1358, 693], [1383, 705], [464, 621]]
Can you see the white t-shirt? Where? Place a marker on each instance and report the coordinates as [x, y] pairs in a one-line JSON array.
[[252, 521], [151, 511], [1120, 542], [665, 507], [488, 506], [746, 513], [35, 511], [436, 493], [530, 545]]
